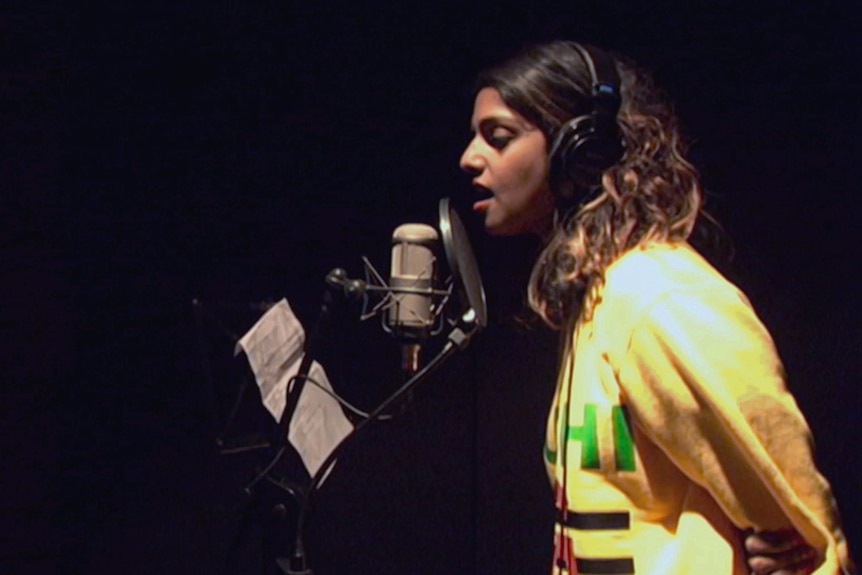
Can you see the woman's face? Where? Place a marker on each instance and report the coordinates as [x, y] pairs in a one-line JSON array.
[[509, 162]]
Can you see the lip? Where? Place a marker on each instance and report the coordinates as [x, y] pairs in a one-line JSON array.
[[485, 196], [484, 192]]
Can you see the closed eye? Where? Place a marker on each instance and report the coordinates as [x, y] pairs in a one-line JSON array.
[[497, 135], [498, 142]]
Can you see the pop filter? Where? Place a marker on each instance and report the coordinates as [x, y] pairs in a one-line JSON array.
[[462, 263]]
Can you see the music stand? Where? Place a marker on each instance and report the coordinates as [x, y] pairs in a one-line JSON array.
[[241, 426]]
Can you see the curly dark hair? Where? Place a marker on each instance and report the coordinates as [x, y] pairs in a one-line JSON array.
[[652, 194]]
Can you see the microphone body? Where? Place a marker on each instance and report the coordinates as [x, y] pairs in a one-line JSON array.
[[411, 315]]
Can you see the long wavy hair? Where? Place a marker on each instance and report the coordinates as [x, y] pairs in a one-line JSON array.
[[652, 193]]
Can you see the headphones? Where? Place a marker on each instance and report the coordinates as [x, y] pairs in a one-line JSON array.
[[587, 145]]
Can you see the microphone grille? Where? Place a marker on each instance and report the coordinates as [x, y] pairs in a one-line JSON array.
[[414, 233], [413, 268]]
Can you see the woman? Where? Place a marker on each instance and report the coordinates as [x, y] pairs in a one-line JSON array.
[[671, 433]]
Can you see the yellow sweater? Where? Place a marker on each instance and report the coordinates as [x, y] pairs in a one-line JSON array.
[[677, 429]]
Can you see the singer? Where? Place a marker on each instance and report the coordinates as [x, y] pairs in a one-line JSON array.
[[673, 445]]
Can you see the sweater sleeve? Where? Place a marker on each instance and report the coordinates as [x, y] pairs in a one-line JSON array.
[[703, 381]]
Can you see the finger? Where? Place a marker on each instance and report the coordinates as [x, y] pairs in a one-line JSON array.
[[772, 542], [802, 568], [799, 561]]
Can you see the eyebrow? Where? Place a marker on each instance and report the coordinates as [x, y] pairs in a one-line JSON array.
[[502, 118]]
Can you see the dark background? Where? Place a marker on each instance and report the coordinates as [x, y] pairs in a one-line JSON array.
[[153, 155]]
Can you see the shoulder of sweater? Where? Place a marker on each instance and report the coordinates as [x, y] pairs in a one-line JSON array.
[[652, 270], [645, 276]]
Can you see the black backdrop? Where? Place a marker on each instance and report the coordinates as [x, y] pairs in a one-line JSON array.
[[152, 155]]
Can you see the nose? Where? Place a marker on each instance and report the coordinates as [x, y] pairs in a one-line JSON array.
[[471, 160]]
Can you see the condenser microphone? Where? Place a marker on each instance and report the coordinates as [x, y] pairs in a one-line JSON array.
[[411, 312]]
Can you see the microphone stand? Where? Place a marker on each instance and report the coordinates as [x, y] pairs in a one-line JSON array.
[[472, 320], [458, 339]]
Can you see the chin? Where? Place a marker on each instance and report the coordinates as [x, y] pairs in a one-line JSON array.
[[509, 224]]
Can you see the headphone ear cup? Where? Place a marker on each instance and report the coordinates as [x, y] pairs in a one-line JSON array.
[[565, 142], [582, 150], [566, 173]]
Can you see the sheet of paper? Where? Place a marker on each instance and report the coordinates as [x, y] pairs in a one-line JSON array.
[[273, 347], [318, 425]]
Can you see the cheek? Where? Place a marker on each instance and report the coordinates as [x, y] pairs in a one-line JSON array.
[[532, 205], [531, 178]]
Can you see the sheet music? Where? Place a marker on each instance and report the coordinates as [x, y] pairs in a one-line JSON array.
[[273, 347]]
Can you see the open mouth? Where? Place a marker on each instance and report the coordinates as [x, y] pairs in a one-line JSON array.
[[483, 195]]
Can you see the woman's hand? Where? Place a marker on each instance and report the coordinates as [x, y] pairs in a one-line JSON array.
[[782, 552]]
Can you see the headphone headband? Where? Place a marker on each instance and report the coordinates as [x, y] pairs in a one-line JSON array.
[[603, 73]]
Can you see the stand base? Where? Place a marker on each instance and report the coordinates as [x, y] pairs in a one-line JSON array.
[[284, 565]]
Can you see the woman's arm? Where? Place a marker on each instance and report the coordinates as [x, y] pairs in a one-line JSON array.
[[704, 382]]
